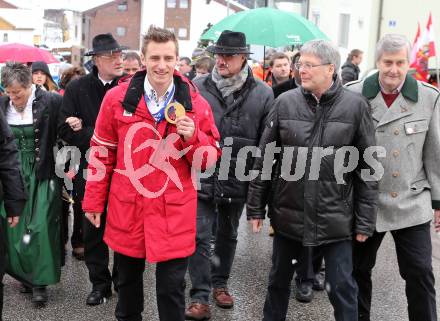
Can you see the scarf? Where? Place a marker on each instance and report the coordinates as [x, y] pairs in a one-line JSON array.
[[232, 84]]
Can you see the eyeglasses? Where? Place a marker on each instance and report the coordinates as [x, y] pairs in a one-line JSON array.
[[308, 66], [111, 56]]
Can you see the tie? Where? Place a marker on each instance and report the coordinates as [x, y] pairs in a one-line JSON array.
[[107, 86]]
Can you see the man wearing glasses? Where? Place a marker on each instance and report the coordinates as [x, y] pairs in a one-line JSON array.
[[240, 104], [81, 103], [326, 206]]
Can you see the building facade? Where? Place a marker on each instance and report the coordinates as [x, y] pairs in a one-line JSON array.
[[122, 18]]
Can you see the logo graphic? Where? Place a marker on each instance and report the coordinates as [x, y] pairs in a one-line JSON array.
[[164, 150]]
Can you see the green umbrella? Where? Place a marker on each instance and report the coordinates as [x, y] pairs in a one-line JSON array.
[[268, 27]]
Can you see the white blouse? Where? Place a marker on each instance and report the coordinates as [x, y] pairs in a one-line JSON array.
[[13, 117]]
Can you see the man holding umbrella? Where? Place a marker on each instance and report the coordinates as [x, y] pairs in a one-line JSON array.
[[240, 104]]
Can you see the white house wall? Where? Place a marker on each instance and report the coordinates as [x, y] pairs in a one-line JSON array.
[[201, 15], [362, 29]]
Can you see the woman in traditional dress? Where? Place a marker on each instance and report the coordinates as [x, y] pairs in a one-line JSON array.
[[34, 251]]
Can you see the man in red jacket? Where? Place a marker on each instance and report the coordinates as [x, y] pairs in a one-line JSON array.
[[151, 159]]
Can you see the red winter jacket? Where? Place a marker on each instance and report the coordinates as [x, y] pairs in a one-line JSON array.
[[151, 212]]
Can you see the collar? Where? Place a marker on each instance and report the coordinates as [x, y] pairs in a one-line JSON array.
[[152, 93], [13, 117], [372, 87], [135, 91], [104, 82], [395, 91]]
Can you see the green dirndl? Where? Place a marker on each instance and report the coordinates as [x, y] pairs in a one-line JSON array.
[[33, 246]]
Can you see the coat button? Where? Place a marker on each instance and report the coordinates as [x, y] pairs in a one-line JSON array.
[[37, 149], [394, 194], [396, 153], [396, 132], [34, 111], [37, 159], [37, 140], [396, 174], [35, 120], [36, 130]]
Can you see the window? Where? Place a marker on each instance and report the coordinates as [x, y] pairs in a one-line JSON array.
[[5, 37], [344, 29], [171, 3], [122, 6], [183, 33], [120, 31], [316, 17], [184, 4]]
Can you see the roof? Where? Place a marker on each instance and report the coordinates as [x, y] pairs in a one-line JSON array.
[[21, 18]]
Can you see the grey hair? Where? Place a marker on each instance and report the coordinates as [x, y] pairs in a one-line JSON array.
[[16, 72], [325, 50], [392, 43]]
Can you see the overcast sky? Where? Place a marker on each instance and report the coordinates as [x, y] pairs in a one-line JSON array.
[[79, 5]]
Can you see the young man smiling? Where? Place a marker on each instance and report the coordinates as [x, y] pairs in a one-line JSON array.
[[153, 218]]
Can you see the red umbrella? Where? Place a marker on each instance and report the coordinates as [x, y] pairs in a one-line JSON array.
[[24, 53]]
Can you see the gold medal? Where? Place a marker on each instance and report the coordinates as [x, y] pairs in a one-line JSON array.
[[174, 110]]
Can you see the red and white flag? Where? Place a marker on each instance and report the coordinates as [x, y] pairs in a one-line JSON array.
[[423, 49]]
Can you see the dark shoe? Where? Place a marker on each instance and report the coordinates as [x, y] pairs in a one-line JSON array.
[[222, 298], [39, 295], [78, 253], [97, 297], [304, 292], [198, 311], [319, 281]]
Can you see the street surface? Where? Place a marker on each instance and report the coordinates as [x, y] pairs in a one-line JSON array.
[[248, 285]]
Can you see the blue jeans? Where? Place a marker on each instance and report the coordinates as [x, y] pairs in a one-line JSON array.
[[203, 269], [338, 272]]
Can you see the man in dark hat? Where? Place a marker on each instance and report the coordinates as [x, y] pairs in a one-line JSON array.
[[81, 102], [240, 104]]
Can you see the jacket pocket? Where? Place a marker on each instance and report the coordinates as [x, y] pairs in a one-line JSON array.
[[415, 127], [121, 212], [419, 186], [180, 209]]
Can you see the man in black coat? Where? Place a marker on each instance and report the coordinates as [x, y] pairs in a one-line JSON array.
[[81, 103], [240, 104], [11, 190], [331, 197]]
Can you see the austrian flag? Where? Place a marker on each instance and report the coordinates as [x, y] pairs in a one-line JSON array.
[[423, 49]]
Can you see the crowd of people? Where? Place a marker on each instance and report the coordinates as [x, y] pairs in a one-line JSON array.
[[164, 174]]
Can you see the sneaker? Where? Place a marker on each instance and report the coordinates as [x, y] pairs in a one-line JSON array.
[[222, 298], [304, 292], [198, 311]]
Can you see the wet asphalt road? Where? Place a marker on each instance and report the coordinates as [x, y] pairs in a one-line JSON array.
[[248, 285]]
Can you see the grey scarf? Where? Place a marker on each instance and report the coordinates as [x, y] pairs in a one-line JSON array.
[[232, 84]]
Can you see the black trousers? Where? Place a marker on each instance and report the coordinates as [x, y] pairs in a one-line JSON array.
[[414, 256], [309, 264], [96, 253], [170, 288], [342, 289]]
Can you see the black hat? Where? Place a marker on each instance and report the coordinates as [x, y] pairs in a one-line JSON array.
[[230, 42], [104, 43], [42, 66]]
